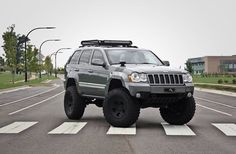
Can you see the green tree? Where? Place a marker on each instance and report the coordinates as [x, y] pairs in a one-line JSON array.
[[48, 65], [9, 47], [32, 60], [1, 61], [19, 55], [1, 64], [189, 67]]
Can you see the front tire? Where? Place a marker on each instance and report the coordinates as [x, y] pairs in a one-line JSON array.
[[120, 109], [74, 105], [180, 112]]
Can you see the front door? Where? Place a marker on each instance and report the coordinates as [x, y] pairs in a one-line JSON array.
[[98, 75]]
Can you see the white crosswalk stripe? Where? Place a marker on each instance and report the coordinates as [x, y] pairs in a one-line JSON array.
[[228, 129], [16, 127], [122, 131], [68, 128], [178, 130]]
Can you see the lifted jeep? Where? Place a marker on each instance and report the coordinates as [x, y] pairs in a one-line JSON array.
[[123, 78]]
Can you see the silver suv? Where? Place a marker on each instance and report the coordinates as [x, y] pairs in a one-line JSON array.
[[122, 79]]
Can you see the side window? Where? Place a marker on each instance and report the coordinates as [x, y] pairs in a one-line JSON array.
[[98, 55], [85, 57], [75, 57]]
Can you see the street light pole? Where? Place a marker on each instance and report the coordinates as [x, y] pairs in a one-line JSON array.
[[40, 54], [26, 38], [56, 58]]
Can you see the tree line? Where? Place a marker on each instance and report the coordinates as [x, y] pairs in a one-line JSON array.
[[14, 54]]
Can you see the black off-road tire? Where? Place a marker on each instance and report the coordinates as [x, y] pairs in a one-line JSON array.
[[99, 103], [74, 105], [179, 113], [120, 109]]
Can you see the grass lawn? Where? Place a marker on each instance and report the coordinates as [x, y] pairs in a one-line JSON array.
[[6, 80], [214, 80]]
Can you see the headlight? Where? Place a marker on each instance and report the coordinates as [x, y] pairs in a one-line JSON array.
[[138, 77], [187, 78]]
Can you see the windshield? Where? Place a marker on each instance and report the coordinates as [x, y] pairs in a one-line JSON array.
[[132, 56]]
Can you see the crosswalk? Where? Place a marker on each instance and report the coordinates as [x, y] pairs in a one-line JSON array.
[[68, 128], [177, 130], [16, 127], [228, 129]]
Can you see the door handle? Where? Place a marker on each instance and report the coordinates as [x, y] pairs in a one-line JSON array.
[[77, 70], [90, 71]]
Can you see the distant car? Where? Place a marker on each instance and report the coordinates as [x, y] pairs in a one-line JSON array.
[[122, 78], [43, 72]]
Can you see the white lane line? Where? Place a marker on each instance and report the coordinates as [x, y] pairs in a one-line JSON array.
[[221, 112], [228, 129], [9, 103], [210, 101], [16, 127], [13, 90], [35, 104], [122, 131], [68, 128], [177, 130]]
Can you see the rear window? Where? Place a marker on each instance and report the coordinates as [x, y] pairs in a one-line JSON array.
[[75, 57]]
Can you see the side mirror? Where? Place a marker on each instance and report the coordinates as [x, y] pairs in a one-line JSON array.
[[166, 63], [98, 62]]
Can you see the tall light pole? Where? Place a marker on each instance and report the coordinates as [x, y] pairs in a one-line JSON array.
[[40, 69], [56, 58], [26, 39]]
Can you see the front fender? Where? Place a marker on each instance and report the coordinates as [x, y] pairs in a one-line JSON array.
[[117, 76]]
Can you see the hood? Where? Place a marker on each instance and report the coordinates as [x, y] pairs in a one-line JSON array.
[[150, 68]]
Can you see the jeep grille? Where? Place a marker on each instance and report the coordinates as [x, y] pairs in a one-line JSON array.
[[165, 79]]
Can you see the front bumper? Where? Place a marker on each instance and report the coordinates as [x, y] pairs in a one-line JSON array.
[[135, 88]]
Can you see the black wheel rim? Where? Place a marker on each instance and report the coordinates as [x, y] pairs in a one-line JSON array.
[[118, 108], [69, 102]]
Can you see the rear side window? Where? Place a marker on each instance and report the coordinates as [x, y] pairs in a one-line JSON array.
[[75, 57], [85, 57]]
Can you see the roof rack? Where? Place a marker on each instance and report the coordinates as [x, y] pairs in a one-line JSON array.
[[109, 43]]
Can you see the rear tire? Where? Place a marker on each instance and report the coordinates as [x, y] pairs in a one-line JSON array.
[[120, 109], [74, 105], [179, 113]]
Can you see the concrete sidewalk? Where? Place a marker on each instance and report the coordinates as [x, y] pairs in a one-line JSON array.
[[223, 85], [220, 92]]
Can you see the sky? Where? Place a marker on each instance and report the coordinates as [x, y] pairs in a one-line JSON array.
[[174, 30]]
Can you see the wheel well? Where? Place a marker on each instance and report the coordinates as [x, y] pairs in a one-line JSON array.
[[70, 82], [115, 83]]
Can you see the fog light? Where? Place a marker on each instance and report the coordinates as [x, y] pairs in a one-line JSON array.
[[138, 95], [189, 94]]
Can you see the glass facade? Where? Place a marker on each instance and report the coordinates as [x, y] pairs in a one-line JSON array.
[[198, 65], [228, 65]]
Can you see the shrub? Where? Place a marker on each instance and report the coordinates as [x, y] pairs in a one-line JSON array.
[[234, 81], [225, 81], [220, 81]]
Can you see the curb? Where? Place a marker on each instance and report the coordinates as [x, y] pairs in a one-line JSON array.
[[13, 89], [220, 92]]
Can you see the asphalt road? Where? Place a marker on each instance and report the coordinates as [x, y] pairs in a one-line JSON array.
[[32, 120]]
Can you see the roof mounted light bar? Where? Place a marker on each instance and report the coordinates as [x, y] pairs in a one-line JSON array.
[[113, 43]]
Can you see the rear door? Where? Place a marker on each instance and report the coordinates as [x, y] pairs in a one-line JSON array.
[[84, 69]]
